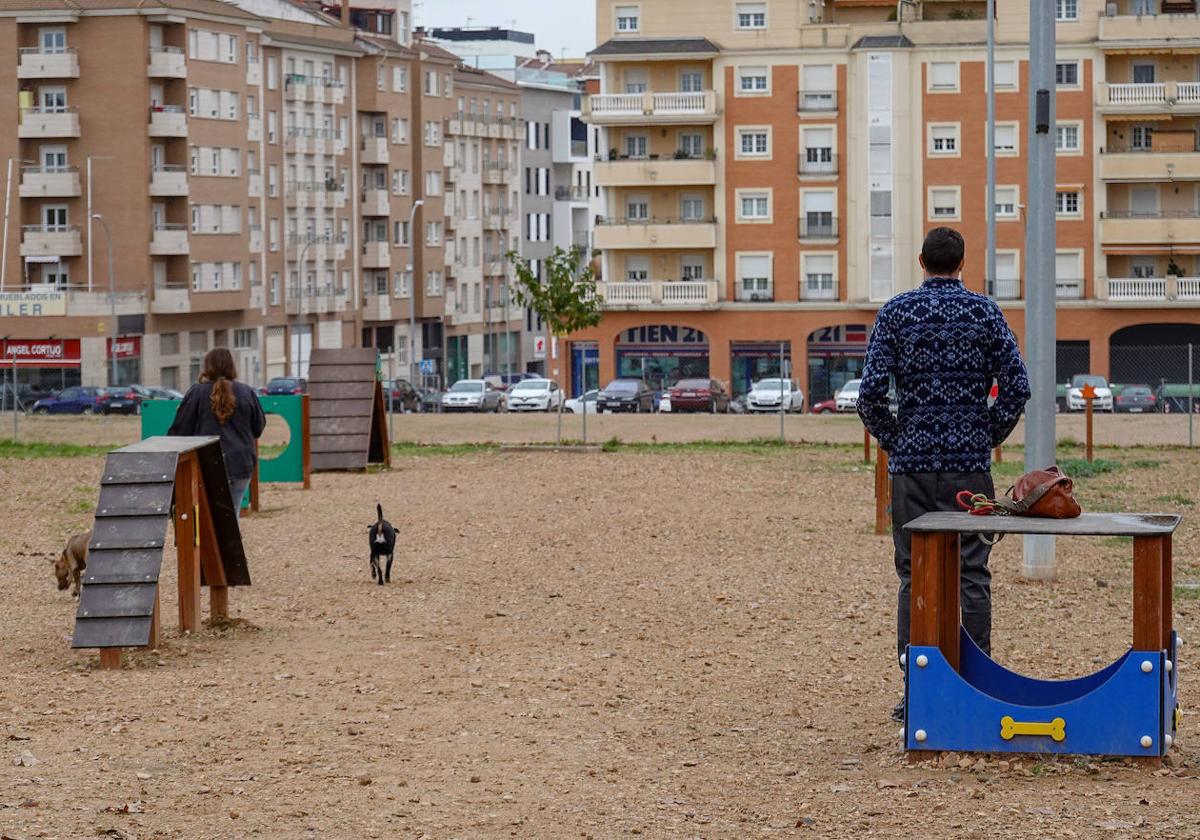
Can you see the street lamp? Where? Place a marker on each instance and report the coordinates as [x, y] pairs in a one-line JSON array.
[[300, 280], [7, 204], [112, 302], [412, 294]]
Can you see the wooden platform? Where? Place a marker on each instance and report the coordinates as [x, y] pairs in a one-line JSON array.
[[348, 422], [1085, 525]]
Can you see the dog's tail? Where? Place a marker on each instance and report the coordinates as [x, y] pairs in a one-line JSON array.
[[379, 511]]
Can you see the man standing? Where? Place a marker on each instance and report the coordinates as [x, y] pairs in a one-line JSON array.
[[943, 346]]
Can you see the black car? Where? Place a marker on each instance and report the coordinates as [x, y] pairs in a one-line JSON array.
[[122, 399], [401, 396], [284, 385], [1135, 399], [626, 395]]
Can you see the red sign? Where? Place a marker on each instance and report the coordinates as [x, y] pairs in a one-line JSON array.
[[128, 347], [40, 352]]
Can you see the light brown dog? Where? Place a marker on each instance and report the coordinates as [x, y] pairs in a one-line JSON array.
[[71, 563]]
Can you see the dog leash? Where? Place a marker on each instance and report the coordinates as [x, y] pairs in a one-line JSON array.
[[977, 504]]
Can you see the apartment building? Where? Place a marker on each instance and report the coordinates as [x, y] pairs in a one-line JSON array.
[[767, 171]]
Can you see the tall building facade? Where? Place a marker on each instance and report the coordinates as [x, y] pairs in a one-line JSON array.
[[767, 171]]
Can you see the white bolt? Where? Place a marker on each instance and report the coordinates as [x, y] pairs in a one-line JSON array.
[[1170, 666], [901, 733], [903, 659], [1146, 666], [919, 735], [1168, 740], [1147, 741], [922, 661]]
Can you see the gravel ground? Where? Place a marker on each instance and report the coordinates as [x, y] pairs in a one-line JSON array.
[[672, 644]]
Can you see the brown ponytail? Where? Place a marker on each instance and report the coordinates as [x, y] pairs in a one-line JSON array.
[[220, 370]]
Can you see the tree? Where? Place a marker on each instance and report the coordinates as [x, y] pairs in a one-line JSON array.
[[566, 300]]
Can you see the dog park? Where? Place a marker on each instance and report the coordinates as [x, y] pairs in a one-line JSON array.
[[685, 632]]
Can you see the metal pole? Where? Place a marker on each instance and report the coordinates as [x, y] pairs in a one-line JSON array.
[[1191, 401], [583, 396], [412, 291], [991, 146], [391, 386], [112, 303], [7, 204], [1039, 560], [782, 373]]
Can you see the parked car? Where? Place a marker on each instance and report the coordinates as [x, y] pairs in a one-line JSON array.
[[585, 402], [431, 400], [76, 400], [699, 395], [400, 395], [626, 395], [472, 395], [766, 394], [1135, 399], [534, 395], [164, 394], [27, 394], [122, 399], [738, 405], [1103, 400], [846, 398], [825, 406], [283, 385], [505, 380]]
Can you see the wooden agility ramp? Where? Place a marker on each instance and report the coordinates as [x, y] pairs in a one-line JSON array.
[[143, 487], [348, 422]]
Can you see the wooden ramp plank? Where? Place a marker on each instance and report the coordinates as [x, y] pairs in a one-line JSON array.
[[117, 599], [343, 355], [340, 426], [111, 632], [128, 565], [139, 467], [341, 408], [338, 461], [134, 499], [320, 391], [129, 532]]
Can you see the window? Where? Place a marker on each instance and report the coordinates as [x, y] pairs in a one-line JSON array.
[[1006, 202], [818, 151], [753, 143], [53, 99], [433, 133], [818, 277], [1006, 138], [1066, 74], [754, 277], [431, 83], [1144, 73], [943, 75], [1141, 137], [637, 269], [1066, 9], [1068, 274], [433, 233], [943, 203], [1005, 75], [1066, 202], [1007, 284], [817, 220], [691, 145], [754, 206], [52, 40], [752, 80], [1066, 137], [691, 267], [54, 158], [244, 338], [433, 182], [637, 208], [635, 145], [400, 79], [820, 90], [636, 80], [943, 140], [750, 16], [691, 207], [627, 18], [691, 81], [433, 282]]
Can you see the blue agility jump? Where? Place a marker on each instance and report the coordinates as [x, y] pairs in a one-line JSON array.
[[957, 698]]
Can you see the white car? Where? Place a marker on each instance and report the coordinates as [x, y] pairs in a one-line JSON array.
[[580, 404], [472, 395], [766, 393], [846, 398], [1104, 396], [535, 395]]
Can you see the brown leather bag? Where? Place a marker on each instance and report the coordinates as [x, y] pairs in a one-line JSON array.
[[1045, 493]]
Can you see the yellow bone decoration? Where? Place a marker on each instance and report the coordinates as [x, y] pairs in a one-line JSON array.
[[1056, 729]]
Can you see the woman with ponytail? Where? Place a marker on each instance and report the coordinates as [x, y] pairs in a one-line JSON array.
[[219, 405]]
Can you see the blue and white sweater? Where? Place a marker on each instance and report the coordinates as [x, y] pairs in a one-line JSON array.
[[944, 346]]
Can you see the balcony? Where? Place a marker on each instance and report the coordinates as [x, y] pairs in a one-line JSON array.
[[575, 194], [37, 63], [376, 202], [650, 108], [306, 140], [1164, 160], [659, 294], [1154, 289], [1004, 288], [1068, 288], [1128, 30], [167, 63], [49, 182], [254, 128], [168, 121], [377, 308], [253, 72], [48, 123], [168, 240], [374, 150], [816, 102], [672, 172], [169, 181], [496, 172], [303, 88], [314, 300], [621, 233], [376, 255], [1126, 227], [50, 241], [817, 227], [1150, 98], [254, 183], [495, 220], [817, 164]]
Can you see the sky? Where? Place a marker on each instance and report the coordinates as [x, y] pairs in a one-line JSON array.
[[555, 24]]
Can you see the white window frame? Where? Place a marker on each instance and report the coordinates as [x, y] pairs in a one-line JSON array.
[[742, 131], [759, 7], [1015, 213], [742, 75], [931, 140], [1078, 74], [1069, 151], [805, 256], [1080, 266], [933, 215], [739, 293], [1001, 255], [932, 87], [1015, 151], [756, 194], [1015, 84], [1066, 10], [619, 27], [1078, 214]]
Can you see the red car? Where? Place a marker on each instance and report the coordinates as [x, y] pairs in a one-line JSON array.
[[699, 395], [825, 407]]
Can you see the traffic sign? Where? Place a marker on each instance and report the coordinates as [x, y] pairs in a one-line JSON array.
[[539, 347], [427, 367]]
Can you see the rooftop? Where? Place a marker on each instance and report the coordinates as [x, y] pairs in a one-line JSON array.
[[655, 46]]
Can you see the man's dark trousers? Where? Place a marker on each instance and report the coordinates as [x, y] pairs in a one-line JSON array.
[[914, 494]]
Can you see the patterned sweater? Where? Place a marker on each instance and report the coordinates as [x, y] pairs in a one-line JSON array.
[[943, 346]]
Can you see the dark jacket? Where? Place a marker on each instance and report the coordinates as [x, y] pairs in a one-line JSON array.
[[195, 417], [944, 346]]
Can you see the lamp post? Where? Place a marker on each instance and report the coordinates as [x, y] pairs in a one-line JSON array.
[[7, 205], [412, 294], [300, 282], [112, 303]]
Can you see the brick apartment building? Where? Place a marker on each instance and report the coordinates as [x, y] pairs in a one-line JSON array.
[[768, 170]]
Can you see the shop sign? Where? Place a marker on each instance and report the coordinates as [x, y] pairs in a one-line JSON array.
[[32, 304], [539, 347], [128, 347], [40, 352], [663, 334]]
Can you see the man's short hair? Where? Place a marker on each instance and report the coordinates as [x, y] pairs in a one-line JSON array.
[[943, 251]]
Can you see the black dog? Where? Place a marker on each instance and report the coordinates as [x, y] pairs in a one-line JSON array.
[[383, 544]]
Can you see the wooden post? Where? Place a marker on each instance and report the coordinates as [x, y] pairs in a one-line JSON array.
[[187, 540], [935, 593], [998, 455], [153, 643], [110, 659], [306, 440], [1168, 592], [883, 492], [866, 446], [254, 483], [1089, 394], [218, 605], [1148, 613]]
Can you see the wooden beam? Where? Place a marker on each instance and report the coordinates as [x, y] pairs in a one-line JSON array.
[[866, 446], [1168, 592], [883, 492], [187, 508], [110, 659], [153, 643], [949, 617], [306, 439], [218, 606], [1148, 617], [254, 490], [935, 593]]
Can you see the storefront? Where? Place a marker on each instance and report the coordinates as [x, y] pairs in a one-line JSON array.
[[752, 361], [835, 356], [585, 366], [45, 365], [129, 359], [662, 354]]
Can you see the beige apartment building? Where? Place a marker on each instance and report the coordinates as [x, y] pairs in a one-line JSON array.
[[768, 170], [257, 165]]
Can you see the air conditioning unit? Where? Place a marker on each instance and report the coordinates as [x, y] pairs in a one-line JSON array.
[[758, 296]]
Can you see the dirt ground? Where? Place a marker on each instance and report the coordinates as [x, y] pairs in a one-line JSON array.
[[671, 644]]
